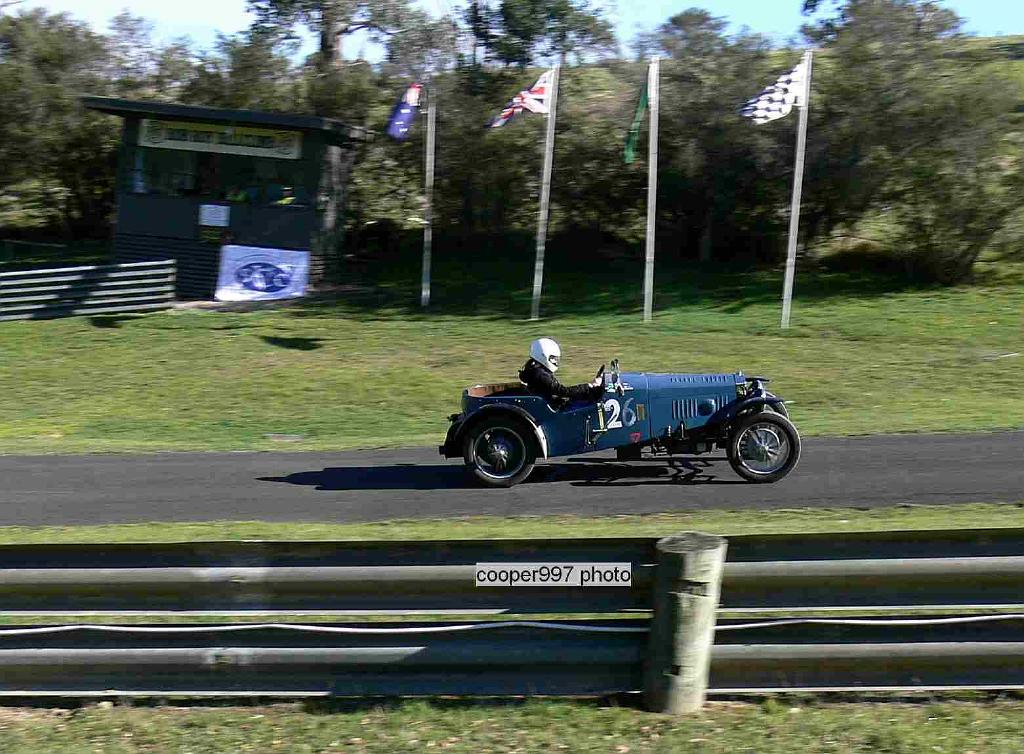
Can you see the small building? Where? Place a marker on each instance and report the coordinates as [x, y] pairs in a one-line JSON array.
[[191, 179]]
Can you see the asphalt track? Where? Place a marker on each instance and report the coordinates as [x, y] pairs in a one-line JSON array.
[[415, 483]]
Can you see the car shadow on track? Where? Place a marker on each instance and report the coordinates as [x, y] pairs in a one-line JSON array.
[[402, 476], [578, 472], [585, 472]]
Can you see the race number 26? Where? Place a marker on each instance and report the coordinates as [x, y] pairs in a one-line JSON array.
[[618, 415]]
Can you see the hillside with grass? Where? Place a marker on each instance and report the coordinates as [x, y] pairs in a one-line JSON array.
[[364, 367], [909, 294]]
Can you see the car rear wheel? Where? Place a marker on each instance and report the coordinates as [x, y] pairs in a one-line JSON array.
[[499, 451], [764, 447]]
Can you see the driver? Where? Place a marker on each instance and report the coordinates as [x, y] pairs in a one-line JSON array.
[[539, 375]]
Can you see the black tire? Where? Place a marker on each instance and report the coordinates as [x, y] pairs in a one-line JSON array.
[[499, 451], [755, 439], [778, 409]]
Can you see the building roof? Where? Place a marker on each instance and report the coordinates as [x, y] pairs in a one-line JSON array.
[[336, 131]]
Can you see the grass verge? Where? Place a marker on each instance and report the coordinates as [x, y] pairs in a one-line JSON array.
[[725, 522], [865, 355], [983, 726]]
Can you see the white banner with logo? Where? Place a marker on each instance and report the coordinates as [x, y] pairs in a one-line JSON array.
[[225, 139], [252, 273]]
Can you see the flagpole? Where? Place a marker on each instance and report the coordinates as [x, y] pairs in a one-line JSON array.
[[798, 180], [545, 197], [428, 210], [654, 97]]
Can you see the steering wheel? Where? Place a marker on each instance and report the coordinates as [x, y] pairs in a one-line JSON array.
[[600, 372]]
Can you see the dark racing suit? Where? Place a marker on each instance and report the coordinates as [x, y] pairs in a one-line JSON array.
[[541, 381]]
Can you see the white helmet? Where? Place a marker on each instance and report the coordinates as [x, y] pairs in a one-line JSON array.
[[546, 352]]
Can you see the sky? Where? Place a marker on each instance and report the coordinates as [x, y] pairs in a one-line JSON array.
[[779, 19]]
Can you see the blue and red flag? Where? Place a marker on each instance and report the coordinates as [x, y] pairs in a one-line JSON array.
[[536, 99], [404, 114]]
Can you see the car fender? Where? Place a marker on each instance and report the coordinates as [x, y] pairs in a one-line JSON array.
[[732, 410], [758, 400], [518, 411]]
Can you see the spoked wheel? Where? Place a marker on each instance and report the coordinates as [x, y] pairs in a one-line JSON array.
[[764, 447], [499, 452]]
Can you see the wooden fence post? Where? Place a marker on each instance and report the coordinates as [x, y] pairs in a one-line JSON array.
[[687, 583]]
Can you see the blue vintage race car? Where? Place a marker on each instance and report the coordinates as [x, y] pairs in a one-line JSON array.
[[504, 428]]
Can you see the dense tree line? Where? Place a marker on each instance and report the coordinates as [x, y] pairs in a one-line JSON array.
[[914, 141]]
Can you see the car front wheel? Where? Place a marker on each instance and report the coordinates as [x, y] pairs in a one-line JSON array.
[[764, 447], [499, 452]]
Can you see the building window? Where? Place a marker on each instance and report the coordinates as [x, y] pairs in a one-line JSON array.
[[217, 177]]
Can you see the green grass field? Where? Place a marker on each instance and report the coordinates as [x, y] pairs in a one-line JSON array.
[[366, 368], [966, 726], [724, 522]]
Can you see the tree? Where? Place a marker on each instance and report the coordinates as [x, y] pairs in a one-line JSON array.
[[333, 21], [478, 18], [575, 27], [811, 6], [130, 55], [518, 32], [694, 34], [248, 70], [421, 50], [595, 196], [54, 156], [907, 130], [722, 181], [174, 68]]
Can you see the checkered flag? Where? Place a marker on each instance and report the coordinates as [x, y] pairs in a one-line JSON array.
[[775, 101]]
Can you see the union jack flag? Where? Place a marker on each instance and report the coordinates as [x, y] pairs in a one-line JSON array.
[[536, 99]]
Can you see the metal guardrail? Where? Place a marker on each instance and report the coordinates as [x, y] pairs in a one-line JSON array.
[[778, 575], [763, 573], [888, 653], [322, 577], [98, 289], [509, 659], [276, 662]]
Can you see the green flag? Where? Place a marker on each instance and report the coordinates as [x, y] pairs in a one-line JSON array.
[[634, 130]]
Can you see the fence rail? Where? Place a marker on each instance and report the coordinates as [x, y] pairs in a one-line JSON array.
[[764, 573], [779, 576], [510, 659], [97, 289]]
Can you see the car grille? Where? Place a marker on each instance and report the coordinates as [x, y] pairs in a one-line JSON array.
[[686, 408], [702, 379]]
